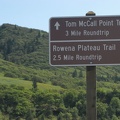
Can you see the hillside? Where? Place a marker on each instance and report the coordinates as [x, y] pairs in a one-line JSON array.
[[24, 46], [30, 48], [57, 93]]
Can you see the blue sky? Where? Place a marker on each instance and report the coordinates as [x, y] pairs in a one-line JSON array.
[[36, 13]]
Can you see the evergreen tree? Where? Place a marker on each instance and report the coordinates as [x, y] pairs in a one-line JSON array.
[[34, 79], [81, 73], [74, 74], [75, 114], [41, 117], [30, 115], [60, 116], [39, 34], [68, 116]]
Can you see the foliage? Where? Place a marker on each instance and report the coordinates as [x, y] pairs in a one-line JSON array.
[[27, 104], [23, 46], [26, 77], [10, 74]]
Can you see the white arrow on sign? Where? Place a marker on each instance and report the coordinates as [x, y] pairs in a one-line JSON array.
[[57, 25]]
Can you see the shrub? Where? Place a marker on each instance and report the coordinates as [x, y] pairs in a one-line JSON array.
[[10, 74]]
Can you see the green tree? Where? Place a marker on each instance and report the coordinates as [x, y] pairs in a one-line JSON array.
[[70, 99], [34, 80], [15, 102], [1, 116], [30, 115], [39, 34], [114, 117], [114, 107], [68, 116], [60, 116], [74, 74], [81, 74], [81, 106], [74, 113], [41, 117], [102, 111]]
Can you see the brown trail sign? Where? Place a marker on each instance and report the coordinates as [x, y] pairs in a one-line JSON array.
[[85, 41]]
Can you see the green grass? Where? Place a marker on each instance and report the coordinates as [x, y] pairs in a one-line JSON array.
[[26, 84]]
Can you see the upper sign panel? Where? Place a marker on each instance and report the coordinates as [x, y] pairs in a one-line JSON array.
[[85, 28]]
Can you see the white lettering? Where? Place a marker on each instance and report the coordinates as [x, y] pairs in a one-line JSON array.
[[68, 57], [70, 24], [87, 23], [88, 48], [89, 57], [105, 23], [63, 48], [109, 47], [118, 22], [98, 32], [75, 33]]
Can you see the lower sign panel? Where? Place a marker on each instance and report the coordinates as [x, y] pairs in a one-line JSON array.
[[85, 53]]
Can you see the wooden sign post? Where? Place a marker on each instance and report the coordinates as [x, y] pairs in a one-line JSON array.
[[91, 88]]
